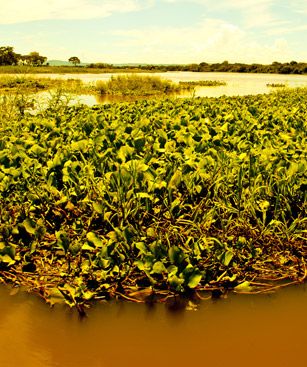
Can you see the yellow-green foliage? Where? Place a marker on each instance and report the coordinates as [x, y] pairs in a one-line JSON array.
[[136, 85], [203, 83], [173, 195], [24, 83]]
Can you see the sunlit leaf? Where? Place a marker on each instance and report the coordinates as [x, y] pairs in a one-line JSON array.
[[243, 287], [228, 256], [29, 225], [194, 280], [158, 268], [94, 239]]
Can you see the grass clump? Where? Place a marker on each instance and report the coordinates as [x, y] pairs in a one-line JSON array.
[[28, 84], [203, 83], [136, 85], [276, 85]]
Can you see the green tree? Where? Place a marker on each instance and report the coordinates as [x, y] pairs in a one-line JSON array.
[[74, 60], [34, 59], [8, 56]]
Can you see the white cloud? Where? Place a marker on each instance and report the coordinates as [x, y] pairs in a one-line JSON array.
[[16, 11], [213, 40], [254, 13], [287, 29]]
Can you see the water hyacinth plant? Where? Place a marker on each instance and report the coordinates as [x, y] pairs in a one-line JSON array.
[[162, 197]]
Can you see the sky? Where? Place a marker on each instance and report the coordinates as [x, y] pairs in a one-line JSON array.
[[157, 31]]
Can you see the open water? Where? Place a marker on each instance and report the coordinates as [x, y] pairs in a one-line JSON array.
[[237, 84], [241, 330]]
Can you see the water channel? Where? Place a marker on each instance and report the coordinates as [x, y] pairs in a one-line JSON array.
[[262, 330]]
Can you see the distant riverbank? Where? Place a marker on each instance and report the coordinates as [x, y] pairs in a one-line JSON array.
[[293, 67]]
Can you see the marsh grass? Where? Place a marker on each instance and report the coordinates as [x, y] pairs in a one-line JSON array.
[[22, 69], [203, 83], [136, 85], [29, 84], [276, 85]]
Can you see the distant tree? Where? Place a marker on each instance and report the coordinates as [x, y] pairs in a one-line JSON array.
[[8, 56], [74, 60], [34, 59]]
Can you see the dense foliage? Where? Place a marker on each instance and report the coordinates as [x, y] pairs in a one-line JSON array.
[[9, 57], [292, 67], [29, 84], [137, 85], [166, 196]]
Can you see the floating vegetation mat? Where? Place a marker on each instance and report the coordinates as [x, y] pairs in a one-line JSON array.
[[276, 85], [155, 198], [203, 83]]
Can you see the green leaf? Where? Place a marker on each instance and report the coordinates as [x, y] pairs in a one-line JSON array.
[[124, 152], [6, 259], [140, 264], [175, 255], [142, 247], [243, 287], [55, 296], [143, 195], [36, 149], [98, 207], [175, 281], [62, 240], [194, 280], [151, 232], [172, 269], [175, 180], [92, 238], [228, 255], [87, 247], [158, 268], [29, 225]]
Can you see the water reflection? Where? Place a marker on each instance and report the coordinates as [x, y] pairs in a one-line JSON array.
[[236, 331]]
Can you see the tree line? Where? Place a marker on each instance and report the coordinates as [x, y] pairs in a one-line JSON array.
[[292, 67], [9, 57]]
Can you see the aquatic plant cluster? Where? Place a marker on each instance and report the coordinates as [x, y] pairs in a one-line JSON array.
[[203, 83], [276, 85], [118, 85], [155, 197], [136, 85], [26, 83]]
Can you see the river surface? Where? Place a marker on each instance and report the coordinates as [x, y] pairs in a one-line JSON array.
[[253, 331], [236, 84]]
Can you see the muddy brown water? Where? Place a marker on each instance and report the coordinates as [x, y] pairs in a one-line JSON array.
[[262, 330]]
